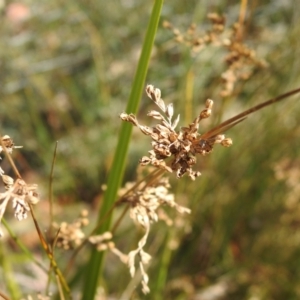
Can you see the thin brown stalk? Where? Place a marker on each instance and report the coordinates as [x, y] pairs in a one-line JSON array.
[[21, 246], [233, 121], [3, 296], [50, 267], [60, 290], [50, 192], [49, 253], [242, 19]]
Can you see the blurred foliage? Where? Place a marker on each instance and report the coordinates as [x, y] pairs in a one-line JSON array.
[[66, 72]]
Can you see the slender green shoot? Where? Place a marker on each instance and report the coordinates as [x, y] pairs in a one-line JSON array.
[[117, 170]]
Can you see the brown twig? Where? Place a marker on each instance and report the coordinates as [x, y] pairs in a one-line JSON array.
[[221, 128], [50, 192]]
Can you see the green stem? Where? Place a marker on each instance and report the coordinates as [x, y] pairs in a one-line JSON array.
[[117, 171], [9, 279], [27, 252], [161, 278]]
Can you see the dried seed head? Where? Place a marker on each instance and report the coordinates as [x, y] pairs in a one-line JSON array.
[[167, 24], [155, 115], [170, 111], [70, 235], [240, 59], [97, 239], [145, 160], [226, 142], [129, 118], [21, 208], [181, 146], [146, 130], [20, 194], [7, 141], [103, 242], [153, 93], [8, 181], [209, 103], [205, 113], [219, 138], [102, 247], [84, 213], [32, 198], [144, 204]]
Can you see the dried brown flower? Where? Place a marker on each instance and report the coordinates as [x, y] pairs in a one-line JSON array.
[[20, 194], [145, 201], [180, 146], [38, 297], [144, 204]]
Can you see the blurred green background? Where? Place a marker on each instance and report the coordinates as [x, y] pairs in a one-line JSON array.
[[66, 69]]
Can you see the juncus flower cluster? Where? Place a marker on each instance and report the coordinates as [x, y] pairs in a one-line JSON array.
[[172, 150], [240, 60], [144, 205], [70, 235], [17, 191]]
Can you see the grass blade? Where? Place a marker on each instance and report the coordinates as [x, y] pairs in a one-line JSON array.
[[116, 173]]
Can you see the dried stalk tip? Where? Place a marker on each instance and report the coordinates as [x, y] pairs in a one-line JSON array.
[[8, 143], [227, 142]]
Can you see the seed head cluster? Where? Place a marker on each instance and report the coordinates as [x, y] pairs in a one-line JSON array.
[[17, 191], [240, 59], [144, 204], [194, 40], [175, 151], [70, 235]]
